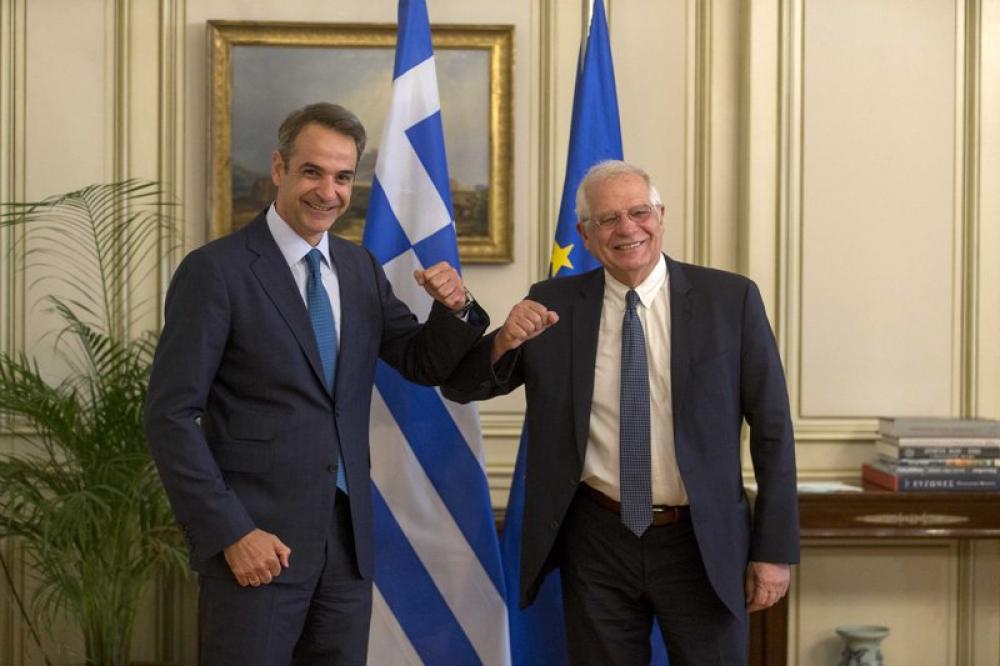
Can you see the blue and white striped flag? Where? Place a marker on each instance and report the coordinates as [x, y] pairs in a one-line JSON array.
[[439, 595]]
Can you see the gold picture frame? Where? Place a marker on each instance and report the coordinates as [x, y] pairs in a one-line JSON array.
[[260, 71]]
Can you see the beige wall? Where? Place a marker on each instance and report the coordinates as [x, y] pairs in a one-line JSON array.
[[840, 152]]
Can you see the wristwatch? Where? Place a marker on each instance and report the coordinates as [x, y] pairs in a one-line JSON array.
[[469, 302]]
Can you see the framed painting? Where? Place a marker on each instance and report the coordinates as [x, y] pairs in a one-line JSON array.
[[261, 71]]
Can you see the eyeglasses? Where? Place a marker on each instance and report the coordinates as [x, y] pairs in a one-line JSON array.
[[637, 214]]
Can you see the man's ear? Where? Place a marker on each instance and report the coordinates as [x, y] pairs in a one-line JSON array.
[[277, 168]]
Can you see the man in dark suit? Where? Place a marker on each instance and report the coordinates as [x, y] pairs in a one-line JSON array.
[[258, 406], [638, 377]]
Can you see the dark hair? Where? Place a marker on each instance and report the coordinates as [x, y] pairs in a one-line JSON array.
[[331, 116]]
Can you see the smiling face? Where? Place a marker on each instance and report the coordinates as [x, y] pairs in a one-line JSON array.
[[314, 185], [629, 250]]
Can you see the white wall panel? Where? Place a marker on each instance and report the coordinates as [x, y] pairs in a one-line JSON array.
[[910, 588], [65, 126], [653, 44], [879, 81], [988, 248]]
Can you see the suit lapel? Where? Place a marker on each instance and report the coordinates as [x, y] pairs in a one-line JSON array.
[[583, 341], [681, 335], [275, 278]]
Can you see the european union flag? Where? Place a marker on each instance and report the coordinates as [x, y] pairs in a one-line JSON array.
[[594, 135], [537, 633]]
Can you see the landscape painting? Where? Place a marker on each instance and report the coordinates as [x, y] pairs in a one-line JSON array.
[[262, 82]]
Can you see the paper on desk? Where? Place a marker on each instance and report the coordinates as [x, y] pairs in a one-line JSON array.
[[816, 487]]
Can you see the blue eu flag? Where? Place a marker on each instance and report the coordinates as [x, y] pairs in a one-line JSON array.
[[537, 633]]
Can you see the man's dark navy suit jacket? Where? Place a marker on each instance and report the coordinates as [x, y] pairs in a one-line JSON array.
[[243, 431]]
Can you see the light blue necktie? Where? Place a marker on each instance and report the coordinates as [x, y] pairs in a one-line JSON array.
[[321, 316], [636, 487]]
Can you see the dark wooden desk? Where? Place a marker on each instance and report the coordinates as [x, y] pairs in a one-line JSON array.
[[874, 513]]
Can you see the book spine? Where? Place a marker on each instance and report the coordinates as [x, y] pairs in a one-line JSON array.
[[946, 482], [945, 442], [957, 472], [955, 482], [946, 463], [956, 429], [892, 450], [878, 477]]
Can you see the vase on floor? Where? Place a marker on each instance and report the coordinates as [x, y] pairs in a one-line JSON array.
[[862, 644]]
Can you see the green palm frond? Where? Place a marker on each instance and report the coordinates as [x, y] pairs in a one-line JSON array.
[[81, 494], [95, 242]]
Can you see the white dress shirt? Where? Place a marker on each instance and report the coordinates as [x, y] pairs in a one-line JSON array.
[[295, 248], [601, 464]]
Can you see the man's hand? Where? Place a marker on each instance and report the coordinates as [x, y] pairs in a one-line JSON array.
[[444, 284], [766, 583], [526, 320], [257, 558]]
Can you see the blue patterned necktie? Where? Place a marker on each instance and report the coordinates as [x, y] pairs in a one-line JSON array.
[[636, 487], [321, 316]]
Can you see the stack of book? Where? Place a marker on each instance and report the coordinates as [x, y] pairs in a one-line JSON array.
[[936, 454]]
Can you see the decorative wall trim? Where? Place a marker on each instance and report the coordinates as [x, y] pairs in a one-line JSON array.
[[120, 34], [173, 642], [544, 185], [118, 122], [789, 268], [171, 167], [702, 137], [966, 612], [13, 100], [506, 425], [692, 114], [968, 141]]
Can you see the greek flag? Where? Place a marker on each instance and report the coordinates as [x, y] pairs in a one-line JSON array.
[[537, 632], [438, 595]]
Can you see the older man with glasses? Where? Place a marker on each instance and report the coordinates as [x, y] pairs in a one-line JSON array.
[[638, 377]]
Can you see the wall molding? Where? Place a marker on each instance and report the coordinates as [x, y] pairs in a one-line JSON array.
[[789, 270], [969, 139], [13, 117], [701, 177], [13, 80], [952, 551]]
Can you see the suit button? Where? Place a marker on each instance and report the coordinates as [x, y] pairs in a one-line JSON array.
[[332, 469], [554, 525], [336, 412]]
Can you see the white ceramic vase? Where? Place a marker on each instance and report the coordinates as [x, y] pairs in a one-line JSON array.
[[861, 644]]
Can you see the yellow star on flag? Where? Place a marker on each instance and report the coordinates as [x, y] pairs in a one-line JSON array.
[[560, 258]]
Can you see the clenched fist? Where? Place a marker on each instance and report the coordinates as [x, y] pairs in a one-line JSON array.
[[444, 285], [526, 320]]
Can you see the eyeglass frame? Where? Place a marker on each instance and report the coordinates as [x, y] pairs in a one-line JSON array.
[[605, 221]]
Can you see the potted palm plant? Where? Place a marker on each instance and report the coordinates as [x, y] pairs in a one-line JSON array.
[[80, 493]]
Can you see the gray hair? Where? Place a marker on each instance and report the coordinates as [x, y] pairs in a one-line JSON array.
[[330, 116], [603, 171]]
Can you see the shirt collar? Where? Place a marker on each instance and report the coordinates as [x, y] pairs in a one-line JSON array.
[[293, 247], [647, 289]]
